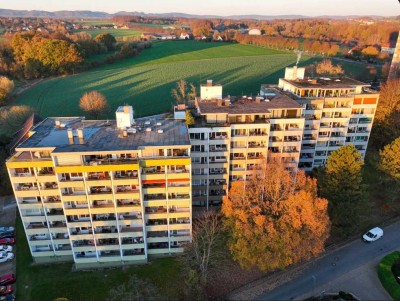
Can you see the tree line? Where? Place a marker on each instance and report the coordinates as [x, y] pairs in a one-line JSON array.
[[35, 55]]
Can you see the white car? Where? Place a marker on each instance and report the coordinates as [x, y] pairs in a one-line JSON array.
[[5, 256], [4, 248], [373, 234]]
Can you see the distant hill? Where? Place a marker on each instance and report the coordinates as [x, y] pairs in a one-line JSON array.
[[58, 14], [87, 14]]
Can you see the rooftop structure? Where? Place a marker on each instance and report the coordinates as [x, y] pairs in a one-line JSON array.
[[104, 134], [210, 90]]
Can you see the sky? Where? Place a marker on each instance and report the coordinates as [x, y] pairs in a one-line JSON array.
[[218, 7]]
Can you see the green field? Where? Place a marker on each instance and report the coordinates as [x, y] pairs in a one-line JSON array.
[[117, 33], [146, 81], [95, 22]]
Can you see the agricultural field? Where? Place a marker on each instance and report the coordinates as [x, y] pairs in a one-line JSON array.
[[94, 22], [145, 82], [117, 33]]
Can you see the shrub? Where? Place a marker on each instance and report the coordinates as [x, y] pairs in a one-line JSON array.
[[386, 275]]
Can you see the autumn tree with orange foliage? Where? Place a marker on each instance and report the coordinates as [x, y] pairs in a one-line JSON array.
[[275, 219], [386, 126], [94, 104], [326, 67]]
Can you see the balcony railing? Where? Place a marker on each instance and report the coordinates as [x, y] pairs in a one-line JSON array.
[[111, 161]]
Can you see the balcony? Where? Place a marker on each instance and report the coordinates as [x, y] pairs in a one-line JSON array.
[[217, 171], [256, 145], [26, 187], [100, 190], [219, 137], [258, 133], [109, 161], [128, 203], [152, 171], [131, 229], [54, 211], [132, 240], [107, 242], [30, 157], [83, 243]]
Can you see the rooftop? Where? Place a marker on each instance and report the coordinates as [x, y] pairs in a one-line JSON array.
[[326, 83], [249, 105], [103, 135]]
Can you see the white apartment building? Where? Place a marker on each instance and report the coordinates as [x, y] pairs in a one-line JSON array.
[[301, 121], [110, 192]]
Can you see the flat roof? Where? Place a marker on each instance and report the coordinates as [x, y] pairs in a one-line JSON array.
[[249, 106], [326, 83], [103, 135]]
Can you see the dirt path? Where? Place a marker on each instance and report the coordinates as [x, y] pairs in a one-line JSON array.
[[25, 86]]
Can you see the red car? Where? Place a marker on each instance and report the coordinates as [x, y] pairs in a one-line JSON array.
[[7, 241], [5, 290], [7, 279]]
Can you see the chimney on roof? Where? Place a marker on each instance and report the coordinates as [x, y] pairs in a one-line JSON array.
[[80, 135], [209, 82], [58, 123], [227, 102], [70, 136], [258, 99], [219, 102]]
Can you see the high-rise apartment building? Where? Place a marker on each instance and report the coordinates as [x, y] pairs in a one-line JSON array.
[[120, 191], [300, 121], [104, 191]]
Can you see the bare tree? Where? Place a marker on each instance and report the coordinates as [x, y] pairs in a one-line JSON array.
[[94, 103], [207, 249], [182, 93]]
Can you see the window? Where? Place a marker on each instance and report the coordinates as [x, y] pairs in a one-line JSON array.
[[197, 148]]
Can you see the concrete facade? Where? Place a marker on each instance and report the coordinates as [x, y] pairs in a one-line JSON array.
[[105, 194]]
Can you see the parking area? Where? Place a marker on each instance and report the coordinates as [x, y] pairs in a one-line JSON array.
[[7, 218]]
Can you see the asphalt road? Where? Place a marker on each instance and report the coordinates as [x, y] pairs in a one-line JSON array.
[[338, 263]]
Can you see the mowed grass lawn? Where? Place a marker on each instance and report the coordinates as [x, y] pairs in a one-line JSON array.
[[47, 282], [146, 81]]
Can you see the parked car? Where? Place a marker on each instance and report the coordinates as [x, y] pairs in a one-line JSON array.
[[6, 234], [373, 234], [7, 279], [7, 298], [5, 290], [5, 256], [5, 248], [7, 241], [7, 229]]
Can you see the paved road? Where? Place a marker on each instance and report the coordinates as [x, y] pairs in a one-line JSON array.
[[345, 261]]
